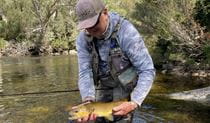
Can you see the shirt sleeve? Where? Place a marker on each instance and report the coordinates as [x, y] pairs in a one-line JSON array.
[[133, 46], [85, 82]]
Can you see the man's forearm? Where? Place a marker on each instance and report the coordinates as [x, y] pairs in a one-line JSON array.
[[86, 86], [143, 86]]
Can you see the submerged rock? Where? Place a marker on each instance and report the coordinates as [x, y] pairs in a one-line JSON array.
[[199, 95]]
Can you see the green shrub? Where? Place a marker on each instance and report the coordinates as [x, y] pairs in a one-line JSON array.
[[59, 43], [202, 14], [207, 53], [2, 43], [176, 57], [190, 63]]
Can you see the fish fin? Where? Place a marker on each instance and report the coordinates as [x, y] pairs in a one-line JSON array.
[[110, 117], [124, 99]]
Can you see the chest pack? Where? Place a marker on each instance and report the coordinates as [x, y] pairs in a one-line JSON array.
[[120, 67]]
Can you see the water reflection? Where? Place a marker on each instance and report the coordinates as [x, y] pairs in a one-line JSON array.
[[1, 79], [2, 114], [28, 75], [33, 75]]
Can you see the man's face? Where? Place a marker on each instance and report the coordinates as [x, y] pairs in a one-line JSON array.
[[99, 28]]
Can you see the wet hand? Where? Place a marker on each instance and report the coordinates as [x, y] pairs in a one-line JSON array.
[[91, 117], [124, 108]]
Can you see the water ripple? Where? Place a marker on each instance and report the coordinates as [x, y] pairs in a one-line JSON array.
[[1, 80], [1, 84]]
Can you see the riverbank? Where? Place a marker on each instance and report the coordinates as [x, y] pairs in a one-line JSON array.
[[180, 70], [28, 49], [13, 49]]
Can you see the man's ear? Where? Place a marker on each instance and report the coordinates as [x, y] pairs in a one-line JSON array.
[[105, 11]]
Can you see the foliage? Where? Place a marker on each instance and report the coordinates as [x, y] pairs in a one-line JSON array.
[[207, 53], [39, 21], [59, 43], [121, 6], [2, 29], [12, 27], [162, 51], [202, 14], [2, 43], [171, 21]]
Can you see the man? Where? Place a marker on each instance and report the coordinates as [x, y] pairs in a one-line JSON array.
[[113, 61]]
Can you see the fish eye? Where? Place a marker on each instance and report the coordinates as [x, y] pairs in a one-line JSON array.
[[76, 111]]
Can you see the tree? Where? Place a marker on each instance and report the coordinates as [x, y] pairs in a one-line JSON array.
[[173, 21], [43, 10], [202, 14]]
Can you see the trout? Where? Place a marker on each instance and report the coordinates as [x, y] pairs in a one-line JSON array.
[[101, 109]]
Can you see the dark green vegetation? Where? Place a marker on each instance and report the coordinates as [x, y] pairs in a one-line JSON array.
[[175, 31], [38, 24]]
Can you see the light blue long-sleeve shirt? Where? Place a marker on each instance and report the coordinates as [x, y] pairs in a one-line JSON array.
[[131, 43]]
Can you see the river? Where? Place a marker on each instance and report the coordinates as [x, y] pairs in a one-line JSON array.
[[37, 90]]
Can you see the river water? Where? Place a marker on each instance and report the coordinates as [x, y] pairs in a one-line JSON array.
[[37, 90]]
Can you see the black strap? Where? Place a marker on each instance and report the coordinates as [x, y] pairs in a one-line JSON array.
[[96, 56], [115, 41], [95, 62], [96, 48]]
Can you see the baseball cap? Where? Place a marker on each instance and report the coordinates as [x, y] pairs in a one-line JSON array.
[[88, 12]]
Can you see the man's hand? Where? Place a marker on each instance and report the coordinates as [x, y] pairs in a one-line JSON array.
[[124, 108], [91, 117]]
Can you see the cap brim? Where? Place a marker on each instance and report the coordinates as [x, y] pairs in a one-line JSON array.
[[88, 22]]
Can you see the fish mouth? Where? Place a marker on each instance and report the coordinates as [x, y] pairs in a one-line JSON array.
[[72, 116]]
